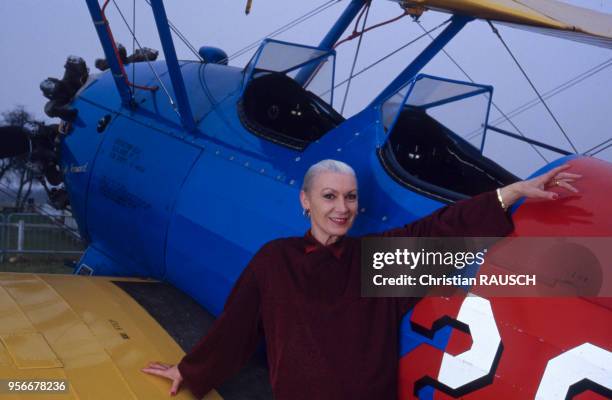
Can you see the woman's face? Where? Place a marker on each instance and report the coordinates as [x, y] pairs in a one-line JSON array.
[[332, 201]]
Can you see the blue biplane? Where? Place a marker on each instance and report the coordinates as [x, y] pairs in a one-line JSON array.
[[186, 191]]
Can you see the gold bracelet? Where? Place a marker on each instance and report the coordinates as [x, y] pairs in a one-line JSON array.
[[501, 201]]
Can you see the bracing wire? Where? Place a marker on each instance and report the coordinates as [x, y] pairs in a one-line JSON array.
[[348, 85], [385, 57], [532, 85], [558, 89], [589, 151], [553, 92], [256, 43], [479, 132], [600, 150], [356, 34], [182, 37], [165, 89], [110, 34], [133, 39], [291, 24], [278, 31]]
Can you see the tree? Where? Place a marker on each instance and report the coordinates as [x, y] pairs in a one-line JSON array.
[[16, 175]]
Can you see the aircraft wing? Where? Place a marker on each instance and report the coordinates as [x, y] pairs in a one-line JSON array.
[[545, 16], [86, 330]]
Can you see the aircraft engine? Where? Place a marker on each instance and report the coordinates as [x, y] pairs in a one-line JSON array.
[[60, 92]]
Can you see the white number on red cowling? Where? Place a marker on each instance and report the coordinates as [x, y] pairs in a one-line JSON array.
[[463, 369], [585, 363]]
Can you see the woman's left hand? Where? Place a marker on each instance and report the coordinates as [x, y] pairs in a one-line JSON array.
[[538, 187]]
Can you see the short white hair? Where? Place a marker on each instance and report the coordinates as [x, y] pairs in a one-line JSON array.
[[325, 166]]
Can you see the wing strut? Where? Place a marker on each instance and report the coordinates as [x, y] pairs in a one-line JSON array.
[[332, 36], [365, 20], [457, 23], [174, 69], [110, 51]]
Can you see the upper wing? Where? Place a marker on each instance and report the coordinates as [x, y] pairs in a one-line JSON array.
[[545, 16]]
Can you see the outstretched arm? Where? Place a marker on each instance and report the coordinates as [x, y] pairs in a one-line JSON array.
[[480, 215], [485, 214], [228, 345]]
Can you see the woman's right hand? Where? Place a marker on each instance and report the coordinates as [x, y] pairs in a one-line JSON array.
[[167, 371]]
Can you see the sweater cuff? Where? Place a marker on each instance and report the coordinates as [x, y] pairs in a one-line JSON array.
[[190, 380]]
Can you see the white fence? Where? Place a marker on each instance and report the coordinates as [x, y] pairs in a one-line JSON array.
[[30, 233]]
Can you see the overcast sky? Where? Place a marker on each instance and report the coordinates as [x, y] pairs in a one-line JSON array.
[[36, 36]]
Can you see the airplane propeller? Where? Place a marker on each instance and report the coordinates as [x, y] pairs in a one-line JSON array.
[[14, 141], [40, 148]]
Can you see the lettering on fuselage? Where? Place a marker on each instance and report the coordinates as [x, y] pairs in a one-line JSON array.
[[126, 153], [75, 169], [118, 193]]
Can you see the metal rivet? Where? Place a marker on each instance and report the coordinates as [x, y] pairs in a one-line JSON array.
[[356, 133], [339, 149], [291, 182], [297, 159], [217, 152], [384, 218], [246, 164], [278, 177], [262, 171], [232, 158]]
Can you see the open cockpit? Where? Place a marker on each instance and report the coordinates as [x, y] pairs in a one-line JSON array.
[[422, 152], [287, 94]]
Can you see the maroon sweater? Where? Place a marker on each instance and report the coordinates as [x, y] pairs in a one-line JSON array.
[[323, 340]]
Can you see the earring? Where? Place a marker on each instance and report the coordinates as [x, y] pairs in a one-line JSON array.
[[306, 212]]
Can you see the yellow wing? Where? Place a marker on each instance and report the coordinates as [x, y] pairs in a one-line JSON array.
[[85, 330], [546, 16]]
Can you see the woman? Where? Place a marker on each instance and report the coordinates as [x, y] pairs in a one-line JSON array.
[[323, 340]]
